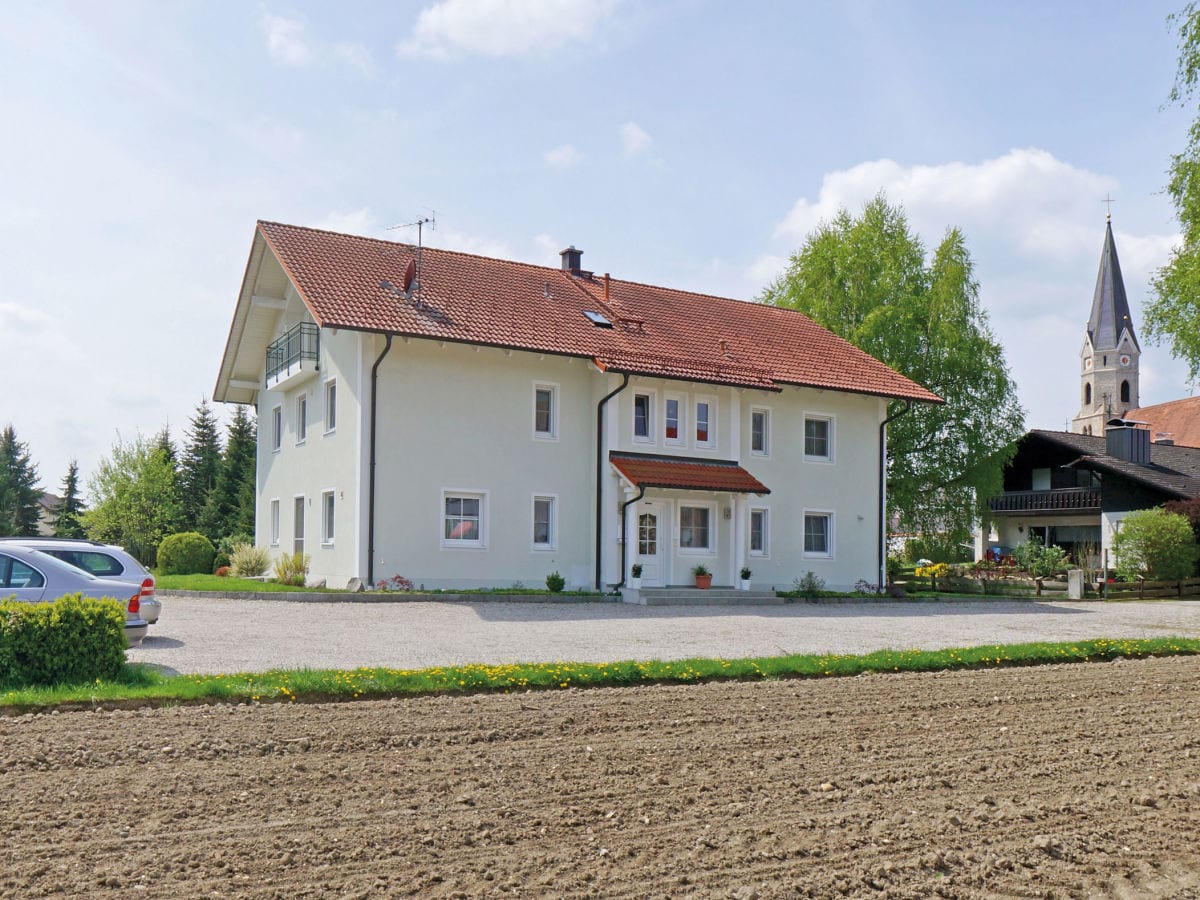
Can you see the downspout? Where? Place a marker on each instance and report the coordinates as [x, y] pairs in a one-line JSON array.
[[371, 487], [882, 495], [600, 473], [624, 533]]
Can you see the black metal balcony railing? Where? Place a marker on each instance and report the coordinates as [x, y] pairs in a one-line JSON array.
[[299, 343], [1062, 500]]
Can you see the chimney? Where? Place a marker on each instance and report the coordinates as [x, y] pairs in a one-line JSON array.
[[571, 259], [1128, 442]]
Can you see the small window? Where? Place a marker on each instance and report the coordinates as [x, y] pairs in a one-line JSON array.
[[99, 564], [330, 406], [545, 412], [760, 432], [1087, 395], [818, 438], [274, 523], [1124, 391], [301, 418], [758, 532], [327, 517], [705, 426], [647, 534], [673, 432], [462, 521], [693, 528], [818, 534], [543, 523], [277, 428], [642, 422]]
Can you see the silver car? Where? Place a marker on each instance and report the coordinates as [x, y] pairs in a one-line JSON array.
[[102, 560], [33, 576]]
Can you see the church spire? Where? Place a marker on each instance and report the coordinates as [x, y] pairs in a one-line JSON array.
[[1110, 308]]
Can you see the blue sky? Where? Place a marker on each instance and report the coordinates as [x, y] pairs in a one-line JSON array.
[[688, 143]]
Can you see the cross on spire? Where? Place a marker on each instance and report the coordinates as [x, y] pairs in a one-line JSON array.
[[1109, 201]]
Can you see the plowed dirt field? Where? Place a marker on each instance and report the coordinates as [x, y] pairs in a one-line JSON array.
[[1059, 781]]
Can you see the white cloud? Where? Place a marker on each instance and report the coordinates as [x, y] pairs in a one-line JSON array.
[[18, 319], [357, 221], [547, 250], [356, 56], [286, 42], [499, 28], [766, 268], [633, 139], [563, 156]]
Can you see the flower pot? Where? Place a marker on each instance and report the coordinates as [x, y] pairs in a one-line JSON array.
[[703, 582], [744, 584], [635, 583]]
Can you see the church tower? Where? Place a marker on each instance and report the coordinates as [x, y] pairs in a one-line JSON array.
[[1109, 358]]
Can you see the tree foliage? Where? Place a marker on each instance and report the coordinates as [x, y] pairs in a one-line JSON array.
[[1156, 544], [66, 521], [1172, 313], [230, 506], [19, 491], [866, 279], [200, 464], [134, 501]]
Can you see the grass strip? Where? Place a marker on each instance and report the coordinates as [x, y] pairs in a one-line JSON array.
[[140, 685], [227, 583]]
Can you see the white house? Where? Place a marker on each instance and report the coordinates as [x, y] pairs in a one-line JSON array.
[[498, 421]]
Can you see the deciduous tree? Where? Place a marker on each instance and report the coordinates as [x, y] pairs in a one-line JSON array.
[[866, 278], [133, 499]]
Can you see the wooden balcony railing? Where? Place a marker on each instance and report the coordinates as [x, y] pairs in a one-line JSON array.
[[1062, 500]]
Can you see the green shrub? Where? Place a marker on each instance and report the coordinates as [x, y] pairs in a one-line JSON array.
[[248, 561], [810, 585], [220, 561], [186, 553], [1039, 560], [70, 641], [555, 582], [227, 543], [1155, 544], [935, 548], [292, 568]]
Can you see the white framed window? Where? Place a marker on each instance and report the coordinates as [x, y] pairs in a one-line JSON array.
[[643, 417], [818, 438], [301, 418], [328, 519], [760, 531], [330, 406], [545, 522], [760, 431], [545, 412], [276, 428], [464, 519], [706, 423], [696, 528], [674, 420], [275, 522], [818, 533]]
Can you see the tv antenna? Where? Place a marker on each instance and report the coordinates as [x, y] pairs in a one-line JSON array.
[[412, 275]]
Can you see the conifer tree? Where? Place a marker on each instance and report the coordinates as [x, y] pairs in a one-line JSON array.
[[200, 464], [226, 512], [19, 491], [66, 513]]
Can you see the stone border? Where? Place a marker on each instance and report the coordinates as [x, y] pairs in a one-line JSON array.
[[363, 597]]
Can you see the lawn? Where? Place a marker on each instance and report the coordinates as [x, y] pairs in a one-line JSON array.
[[226, 583]]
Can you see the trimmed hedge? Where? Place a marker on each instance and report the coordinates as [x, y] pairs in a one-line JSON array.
[[70, 641], [186, 553]]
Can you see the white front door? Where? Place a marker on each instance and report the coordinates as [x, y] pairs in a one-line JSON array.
[[653, 541]]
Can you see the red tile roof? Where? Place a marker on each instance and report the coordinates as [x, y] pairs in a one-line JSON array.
[[657, 331], [686, 473], [1176, 420]]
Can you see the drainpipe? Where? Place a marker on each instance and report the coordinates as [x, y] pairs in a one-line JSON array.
[[600, 473], [371, 488], [882, 495], [625, 534]]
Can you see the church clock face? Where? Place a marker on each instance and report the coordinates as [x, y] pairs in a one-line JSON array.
[[1087, 363], [1124, 359]]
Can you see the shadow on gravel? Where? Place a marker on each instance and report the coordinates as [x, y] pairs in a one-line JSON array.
[[154, 642], [798, 609]]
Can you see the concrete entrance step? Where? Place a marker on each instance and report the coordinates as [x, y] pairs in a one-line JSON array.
[[684, 596]]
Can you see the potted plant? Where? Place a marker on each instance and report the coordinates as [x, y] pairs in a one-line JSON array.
[[745, 576], [635, 576], [703, 577]]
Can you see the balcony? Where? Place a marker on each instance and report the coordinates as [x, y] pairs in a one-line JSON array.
[[294, 357], [1064, 500]]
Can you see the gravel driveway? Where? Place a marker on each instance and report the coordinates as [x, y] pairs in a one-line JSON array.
[[211, 635]]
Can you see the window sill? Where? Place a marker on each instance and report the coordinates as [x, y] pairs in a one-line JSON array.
[[816, 555], [826, 460], [551, 438], [454, 545], [543, 548], [326, 543], [328, 432], [697, 551], [301, 443]]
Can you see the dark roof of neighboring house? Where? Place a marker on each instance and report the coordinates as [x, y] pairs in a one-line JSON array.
[[1178, 420], [1173, 469], [686, 473], [656, 331], [49, 501], [1110, 307]]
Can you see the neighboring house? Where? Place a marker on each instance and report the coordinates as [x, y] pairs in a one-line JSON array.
[[1073, 490], [1173, 422], [47, 510], [498, 421]]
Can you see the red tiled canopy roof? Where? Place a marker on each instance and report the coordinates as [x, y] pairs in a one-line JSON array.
[[657, 331], [686, 473]]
